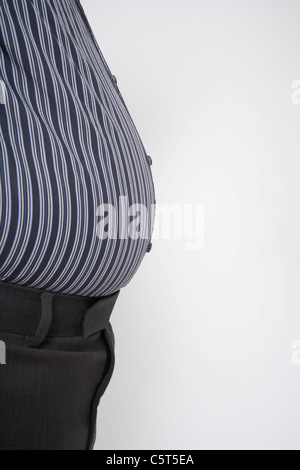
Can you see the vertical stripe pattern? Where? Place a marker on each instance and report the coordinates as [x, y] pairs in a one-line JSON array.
[[67, 145]]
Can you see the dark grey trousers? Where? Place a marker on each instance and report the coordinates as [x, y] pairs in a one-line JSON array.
[[59, 362]]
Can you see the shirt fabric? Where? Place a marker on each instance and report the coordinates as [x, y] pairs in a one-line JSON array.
[[67, 145]]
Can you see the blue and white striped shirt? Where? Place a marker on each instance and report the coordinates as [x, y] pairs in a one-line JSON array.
[[67, 145]]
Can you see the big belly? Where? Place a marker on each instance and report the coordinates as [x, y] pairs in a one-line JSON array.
[[68, 146]]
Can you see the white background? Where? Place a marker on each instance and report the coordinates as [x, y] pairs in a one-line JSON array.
[[204, 338]]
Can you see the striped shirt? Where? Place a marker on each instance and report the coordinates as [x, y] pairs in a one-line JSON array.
[[67, 145]]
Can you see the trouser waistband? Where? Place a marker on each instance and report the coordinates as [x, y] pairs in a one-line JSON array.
[[37, 314]]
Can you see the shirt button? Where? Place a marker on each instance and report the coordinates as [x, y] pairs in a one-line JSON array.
[[149, 247], [150, 161], [115, 79]]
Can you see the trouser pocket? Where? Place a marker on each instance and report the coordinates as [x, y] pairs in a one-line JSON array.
[[110, 344], [49, 398]]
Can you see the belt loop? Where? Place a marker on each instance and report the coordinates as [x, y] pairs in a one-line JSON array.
[[45, 322], [98, 316]]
